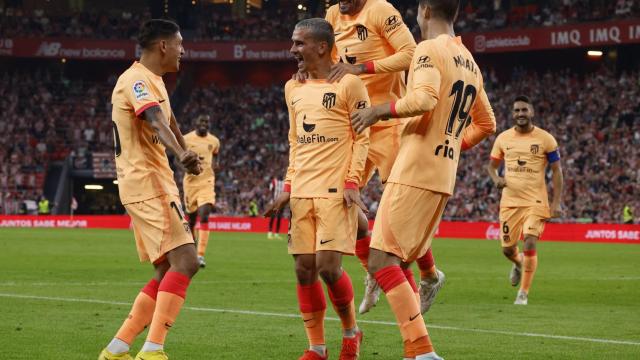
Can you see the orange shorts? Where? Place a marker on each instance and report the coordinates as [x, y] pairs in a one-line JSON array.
[[516, 221], [159, 226], [322, 224], [407, 220], [196, 196], [384, 144]]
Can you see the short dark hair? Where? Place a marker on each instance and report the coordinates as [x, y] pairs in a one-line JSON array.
[[321, 30], [155, 29], [443, 9], [523, 98]]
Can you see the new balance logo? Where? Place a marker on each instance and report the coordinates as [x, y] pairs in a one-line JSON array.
[[322, 242]]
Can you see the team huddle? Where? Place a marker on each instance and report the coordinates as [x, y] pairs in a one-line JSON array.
[[350, 115]]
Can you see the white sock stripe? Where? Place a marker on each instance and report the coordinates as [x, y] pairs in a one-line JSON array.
[[374, 322]]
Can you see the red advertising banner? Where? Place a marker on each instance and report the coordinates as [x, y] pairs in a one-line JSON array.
[[597, 233], [128, 50], [558, 37]]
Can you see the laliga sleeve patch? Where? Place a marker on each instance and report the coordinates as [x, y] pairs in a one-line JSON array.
[[140, 90]]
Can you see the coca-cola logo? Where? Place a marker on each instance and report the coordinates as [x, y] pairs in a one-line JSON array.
[[493, 232]]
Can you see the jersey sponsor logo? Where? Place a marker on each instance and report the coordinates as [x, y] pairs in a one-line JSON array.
[[307, 127], [361, 104], [350, 59], [447, 152], [522, 162], [423, 62], [391, 23], [329, 100], [140, 90], [535, 148], [362, 31]]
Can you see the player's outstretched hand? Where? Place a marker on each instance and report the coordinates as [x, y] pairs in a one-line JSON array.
[[364, 118], [339, 70], [191, 162], [300, 76], [556, 211], [352, 196], [501, 183], [277, 204]]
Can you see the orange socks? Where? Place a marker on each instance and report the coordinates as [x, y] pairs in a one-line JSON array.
[[313, 306], [141, 313], [402, 301], [408, 273], [427, 265], [171, 295], [529, 266], [203, 240], [362, 251], [341, 295]]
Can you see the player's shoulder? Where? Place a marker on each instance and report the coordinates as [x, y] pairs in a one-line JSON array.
[[290, 85], [380, 8], [190, 134], [350, 81], [332, 13], [213, 138], [543, 134], [506, 134]]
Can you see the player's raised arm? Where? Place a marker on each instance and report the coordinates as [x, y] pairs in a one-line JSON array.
[[483, 122], [188, 159], [494, 163], [399, 37]]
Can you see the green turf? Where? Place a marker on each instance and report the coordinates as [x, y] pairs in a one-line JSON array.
[[581, 290]]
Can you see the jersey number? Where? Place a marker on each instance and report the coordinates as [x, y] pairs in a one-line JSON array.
[[116, 139], [465, 96]]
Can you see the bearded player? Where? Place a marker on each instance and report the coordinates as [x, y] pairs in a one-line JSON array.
[[450, 112], [526, 150], [199, 190]]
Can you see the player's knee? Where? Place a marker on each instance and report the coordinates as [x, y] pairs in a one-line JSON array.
[[330, 274], [509, 252], [305, 274], [362, 232], [530, 242], [204, 220]]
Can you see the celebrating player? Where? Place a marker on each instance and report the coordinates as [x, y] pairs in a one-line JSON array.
[[199, 190], [373, 42], [449, 112], [524, 207], [276, 186], [144, 126], [326, 164]]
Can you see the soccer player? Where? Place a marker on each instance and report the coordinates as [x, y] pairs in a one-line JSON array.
[[199, 190], [144, 126], [326, 164], [524, 207], [449, 111], [276, 186], [373, 42]]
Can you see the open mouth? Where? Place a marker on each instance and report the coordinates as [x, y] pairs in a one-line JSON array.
[[345, 5], [299, 59]]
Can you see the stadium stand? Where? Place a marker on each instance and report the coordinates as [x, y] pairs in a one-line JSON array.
[[215, 22]]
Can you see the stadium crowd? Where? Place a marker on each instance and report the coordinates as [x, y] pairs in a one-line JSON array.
[[595, 118], [215, 22]]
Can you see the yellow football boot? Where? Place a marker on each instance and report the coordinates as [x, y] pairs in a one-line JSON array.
[[107, 355], [152, 355]]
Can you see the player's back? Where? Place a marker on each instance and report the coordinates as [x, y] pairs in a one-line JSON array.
[[142, 165], [430, 147], [205, 147]]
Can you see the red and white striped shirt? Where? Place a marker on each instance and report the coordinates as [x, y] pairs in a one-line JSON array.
[[276, 186]]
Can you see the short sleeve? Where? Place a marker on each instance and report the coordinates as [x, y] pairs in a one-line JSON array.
[[356, 93], [216, 146], [551, 147], [138, 93], [496, 151]]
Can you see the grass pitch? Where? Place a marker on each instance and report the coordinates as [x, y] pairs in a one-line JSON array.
[[65, 292]]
